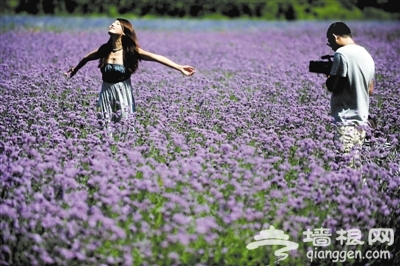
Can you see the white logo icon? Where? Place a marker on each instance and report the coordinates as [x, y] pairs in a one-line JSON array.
[[274, 237]]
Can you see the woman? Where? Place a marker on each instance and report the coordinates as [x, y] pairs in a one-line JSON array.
[[118, 59]]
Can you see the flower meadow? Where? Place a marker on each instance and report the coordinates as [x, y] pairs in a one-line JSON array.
[[207, 161]]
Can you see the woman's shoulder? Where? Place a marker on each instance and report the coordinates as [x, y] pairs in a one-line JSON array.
[[105, 48]]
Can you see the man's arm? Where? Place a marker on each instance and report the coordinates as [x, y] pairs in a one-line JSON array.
[[335, 84], [337, 80], [371, 87]]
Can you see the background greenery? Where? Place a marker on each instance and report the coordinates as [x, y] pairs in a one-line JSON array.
[[267, 9]]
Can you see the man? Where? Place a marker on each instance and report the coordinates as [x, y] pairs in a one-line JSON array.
[[351, 84]]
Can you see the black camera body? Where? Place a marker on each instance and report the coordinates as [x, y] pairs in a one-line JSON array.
[[323, 67]]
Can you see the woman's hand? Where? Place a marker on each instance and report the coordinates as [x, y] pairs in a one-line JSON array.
[[70, 73], [187, 70]]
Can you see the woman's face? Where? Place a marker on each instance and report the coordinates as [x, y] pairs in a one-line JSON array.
[[116, 28]]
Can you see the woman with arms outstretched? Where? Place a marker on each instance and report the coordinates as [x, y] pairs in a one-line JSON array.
[[118, 59]]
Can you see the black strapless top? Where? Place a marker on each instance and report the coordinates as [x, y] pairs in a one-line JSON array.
[[113, 73]]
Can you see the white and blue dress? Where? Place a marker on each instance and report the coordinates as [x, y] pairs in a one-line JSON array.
[[116, 101]]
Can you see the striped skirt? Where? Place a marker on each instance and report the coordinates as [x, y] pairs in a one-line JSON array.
[[116, 101]]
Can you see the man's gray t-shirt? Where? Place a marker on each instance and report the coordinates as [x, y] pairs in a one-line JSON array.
[[351, 105]]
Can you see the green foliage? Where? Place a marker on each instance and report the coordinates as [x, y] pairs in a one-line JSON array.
[[269, 10], [333, 9], [372, 12]]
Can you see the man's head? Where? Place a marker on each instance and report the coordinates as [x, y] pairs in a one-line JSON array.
[[338, 35]]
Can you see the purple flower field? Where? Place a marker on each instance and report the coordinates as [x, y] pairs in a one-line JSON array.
[[245, 143]]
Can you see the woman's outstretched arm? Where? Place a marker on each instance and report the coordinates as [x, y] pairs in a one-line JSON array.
[[89, 57], [147, 56]]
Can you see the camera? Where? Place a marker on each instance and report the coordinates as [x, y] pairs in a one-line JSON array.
[[323, 67]]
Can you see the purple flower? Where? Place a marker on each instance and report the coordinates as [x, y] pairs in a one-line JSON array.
[[181, 219]]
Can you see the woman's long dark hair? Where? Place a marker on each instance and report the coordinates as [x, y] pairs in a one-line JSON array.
[[130, 46]]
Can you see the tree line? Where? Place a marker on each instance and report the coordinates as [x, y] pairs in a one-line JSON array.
[[267, 9]]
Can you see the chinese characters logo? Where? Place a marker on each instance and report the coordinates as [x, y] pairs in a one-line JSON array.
[[274, 237]]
